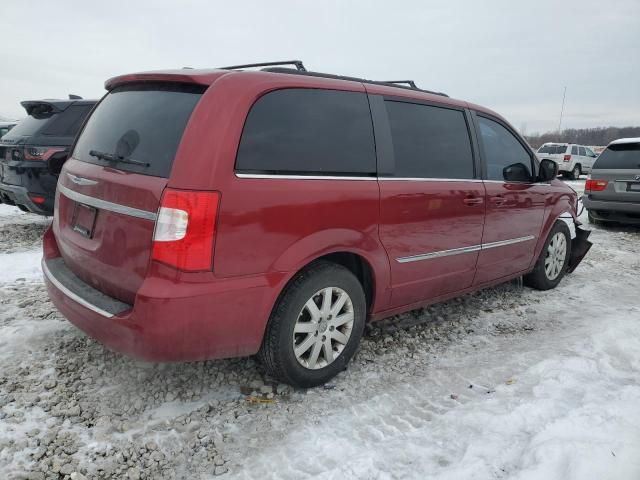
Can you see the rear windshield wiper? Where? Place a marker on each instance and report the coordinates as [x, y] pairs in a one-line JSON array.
[[110, 157]]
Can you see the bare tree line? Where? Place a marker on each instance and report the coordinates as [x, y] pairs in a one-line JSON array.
[[584, 136]]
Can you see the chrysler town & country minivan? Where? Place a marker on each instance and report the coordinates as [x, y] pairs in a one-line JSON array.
[[231, 212]]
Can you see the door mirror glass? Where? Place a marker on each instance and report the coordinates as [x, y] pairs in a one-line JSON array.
[[548, 170], [516, 172]]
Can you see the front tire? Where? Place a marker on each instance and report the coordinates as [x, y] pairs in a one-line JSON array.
[[316, 326], [552, 263]]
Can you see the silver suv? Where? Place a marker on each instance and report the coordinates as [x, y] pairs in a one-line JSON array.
[[573, 160], [612, 193]]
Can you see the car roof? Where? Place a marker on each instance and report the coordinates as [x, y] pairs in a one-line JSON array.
[[312, 79], [625, 140]]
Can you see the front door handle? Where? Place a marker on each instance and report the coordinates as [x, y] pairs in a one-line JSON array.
[[471, 201]]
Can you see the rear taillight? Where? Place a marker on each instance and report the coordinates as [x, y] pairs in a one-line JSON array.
[[595, 185], [567, 158], [40, 153], [185, 229], [37, 199]]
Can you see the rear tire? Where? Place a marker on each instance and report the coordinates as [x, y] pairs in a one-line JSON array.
[[552, 263], [316, 326], [592, 219], [575, 173]]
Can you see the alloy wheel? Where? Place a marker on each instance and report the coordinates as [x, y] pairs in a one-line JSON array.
[[556, 255], [323, 328]]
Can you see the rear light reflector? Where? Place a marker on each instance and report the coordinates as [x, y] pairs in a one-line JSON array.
[[567, 158], [595, 185], [185, 229], [37, 199]]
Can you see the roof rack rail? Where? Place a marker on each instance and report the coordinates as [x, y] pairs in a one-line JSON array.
[[411, 83], [297, 63], [395, 84]]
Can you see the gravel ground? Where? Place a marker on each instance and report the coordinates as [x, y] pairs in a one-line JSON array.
[[70, 409]]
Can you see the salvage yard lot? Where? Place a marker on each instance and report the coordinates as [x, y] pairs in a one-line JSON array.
[[505, 383]]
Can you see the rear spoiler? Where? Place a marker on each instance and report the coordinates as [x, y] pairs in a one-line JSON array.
[[44, 108]]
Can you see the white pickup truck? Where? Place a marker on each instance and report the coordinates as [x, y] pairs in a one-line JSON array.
[[573, 160]]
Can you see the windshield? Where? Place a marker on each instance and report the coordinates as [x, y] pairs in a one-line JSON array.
[[142, 123], [552, 149], [619, 156], [26, 128]]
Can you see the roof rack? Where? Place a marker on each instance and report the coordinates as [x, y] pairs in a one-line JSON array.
[[297, 63], [395, 84], [411, 83]]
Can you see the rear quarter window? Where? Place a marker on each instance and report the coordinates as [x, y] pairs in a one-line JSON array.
[[619, 156], [308, 131], [66, 123], [139, 122]]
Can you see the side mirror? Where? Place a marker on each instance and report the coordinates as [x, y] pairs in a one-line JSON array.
[[548, 170], [516, 172]]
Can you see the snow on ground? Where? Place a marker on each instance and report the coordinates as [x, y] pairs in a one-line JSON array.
[[508, 383]]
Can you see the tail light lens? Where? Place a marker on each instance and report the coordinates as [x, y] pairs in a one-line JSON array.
[[595, 185], [567, 158], [40, 153], [185, 229]]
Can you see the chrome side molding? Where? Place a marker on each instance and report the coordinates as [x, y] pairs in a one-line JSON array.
[[459, 251]]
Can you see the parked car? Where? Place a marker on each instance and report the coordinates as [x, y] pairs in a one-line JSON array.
[[573, 160], [219, 213], [32, 153], [612, 192], [5, 127]]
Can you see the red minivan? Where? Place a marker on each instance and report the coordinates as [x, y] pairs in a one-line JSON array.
[[230, 212]]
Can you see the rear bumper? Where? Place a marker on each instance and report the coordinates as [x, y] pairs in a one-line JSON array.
[[626, 212], [17, 195], [169, 321]]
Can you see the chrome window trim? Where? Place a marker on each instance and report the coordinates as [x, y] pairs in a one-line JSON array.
[[461, 250], [285, 176], [76, 298], [425, 179], [301, 177], [104, 205]]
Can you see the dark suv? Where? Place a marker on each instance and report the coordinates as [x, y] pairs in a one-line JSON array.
[[32, 153], [218, 213]]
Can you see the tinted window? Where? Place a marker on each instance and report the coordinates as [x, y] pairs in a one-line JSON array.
[[552, 149], [26, 127], [143, 123], [581, 151], [624, 155], [502, 150], [66, 123], [308, 131], [429, 142], [589, 152], [574, 150]]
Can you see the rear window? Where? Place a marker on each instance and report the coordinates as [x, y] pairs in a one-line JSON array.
[[26, 127], [552, 149], [306, 131], [67, 123], [619, 156], [141, 123], [429, 142]]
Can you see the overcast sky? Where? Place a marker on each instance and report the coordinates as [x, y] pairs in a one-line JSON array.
[[514, 57]]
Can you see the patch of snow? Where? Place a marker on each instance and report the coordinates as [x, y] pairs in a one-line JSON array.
[[20, 265]]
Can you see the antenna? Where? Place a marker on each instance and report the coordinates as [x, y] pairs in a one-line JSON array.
[[562, 110]]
